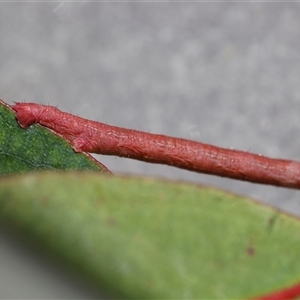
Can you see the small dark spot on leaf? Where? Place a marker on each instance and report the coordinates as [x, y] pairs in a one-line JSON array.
[[251, 251], [111, 222], [272, 220], [44, 200]]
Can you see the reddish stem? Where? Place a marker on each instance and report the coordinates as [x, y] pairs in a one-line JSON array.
[[90, 136], [284, 294]]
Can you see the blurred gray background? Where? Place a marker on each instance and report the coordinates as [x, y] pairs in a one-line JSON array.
[[223, 73]]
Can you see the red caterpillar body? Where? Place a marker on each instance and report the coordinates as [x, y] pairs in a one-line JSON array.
[[90, 136]]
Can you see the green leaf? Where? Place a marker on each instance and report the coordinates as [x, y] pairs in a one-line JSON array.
[[145, 238], [37, 148]]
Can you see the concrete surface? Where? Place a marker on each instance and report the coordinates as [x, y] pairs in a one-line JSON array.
[[221, 72]]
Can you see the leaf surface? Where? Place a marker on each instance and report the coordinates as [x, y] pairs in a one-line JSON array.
[[37, 148], [146, 238]]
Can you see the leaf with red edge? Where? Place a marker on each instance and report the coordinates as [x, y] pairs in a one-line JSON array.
[[146, 238]]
